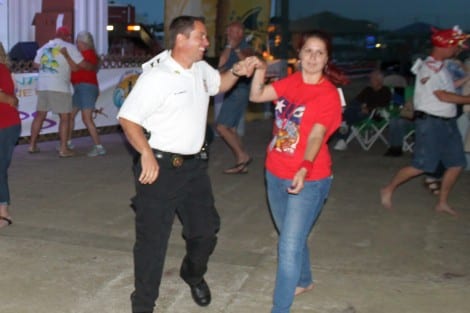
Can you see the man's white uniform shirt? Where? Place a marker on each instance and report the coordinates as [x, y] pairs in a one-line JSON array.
[[171, 103]]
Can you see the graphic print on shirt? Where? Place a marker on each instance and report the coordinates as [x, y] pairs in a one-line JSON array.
[[286, 127], [49, 59]]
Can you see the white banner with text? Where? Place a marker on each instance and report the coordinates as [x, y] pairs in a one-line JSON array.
[[115, 84]]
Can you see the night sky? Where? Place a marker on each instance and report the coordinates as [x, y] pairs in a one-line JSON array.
[[389, 15]]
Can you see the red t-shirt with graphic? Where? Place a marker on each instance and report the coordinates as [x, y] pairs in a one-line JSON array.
[[299, 107], [86, 76]]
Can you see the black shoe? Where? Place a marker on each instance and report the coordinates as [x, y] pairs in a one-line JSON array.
[[394, 152], [201, 293]]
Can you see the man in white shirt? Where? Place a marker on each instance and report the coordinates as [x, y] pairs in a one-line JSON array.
[[437, 138], [170, 101], [54, 87]]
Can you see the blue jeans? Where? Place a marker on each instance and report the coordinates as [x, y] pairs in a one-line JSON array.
[[84, 96], [437, 141], [8, 138], [294, 216]]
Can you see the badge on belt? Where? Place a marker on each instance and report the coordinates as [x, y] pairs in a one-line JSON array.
[[176, 160]]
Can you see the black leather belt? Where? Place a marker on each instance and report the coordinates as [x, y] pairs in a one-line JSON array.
[[424, 115], [176, 160]]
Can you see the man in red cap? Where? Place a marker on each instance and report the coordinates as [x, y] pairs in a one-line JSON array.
[[437, 138], [54, 87]]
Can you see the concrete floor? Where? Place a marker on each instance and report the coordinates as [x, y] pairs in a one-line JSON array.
[[69, 249]]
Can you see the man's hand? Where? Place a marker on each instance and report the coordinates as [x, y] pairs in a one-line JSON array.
[[364, 108], [64, 51], [150, 168], [248, 66], [440, 94]]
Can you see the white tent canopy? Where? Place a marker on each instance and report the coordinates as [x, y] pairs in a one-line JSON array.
[[16, 18]]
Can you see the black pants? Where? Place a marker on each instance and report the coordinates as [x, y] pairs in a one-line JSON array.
[[187, 192]]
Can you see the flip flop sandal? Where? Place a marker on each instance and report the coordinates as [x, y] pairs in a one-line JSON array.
[[434, 186], [6, 219], [239, 168], [66, 154], [34, 150]]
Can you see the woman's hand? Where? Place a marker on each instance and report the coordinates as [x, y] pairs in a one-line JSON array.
[[298, 182], [14, 102], [247, 66]]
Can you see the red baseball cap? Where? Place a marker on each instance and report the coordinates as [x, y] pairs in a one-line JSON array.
[[63, 31], [446, 38]]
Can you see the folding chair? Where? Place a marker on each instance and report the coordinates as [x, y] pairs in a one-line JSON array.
[[409, 141], [369, 130]]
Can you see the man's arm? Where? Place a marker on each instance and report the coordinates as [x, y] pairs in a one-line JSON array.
[[451, 97], [135, 136], [76, 66]]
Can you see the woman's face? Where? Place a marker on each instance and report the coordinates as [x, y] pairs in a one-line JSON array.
[[313, 55]]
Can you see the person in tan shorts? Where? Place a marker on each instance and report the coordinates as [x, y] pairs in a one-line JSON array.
[[54, 87]]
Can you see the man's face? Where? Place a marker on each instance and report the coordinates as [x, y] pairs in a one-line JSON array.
[[458, 50], [452, 52], [376, 81], [234, 34], [197, 42]]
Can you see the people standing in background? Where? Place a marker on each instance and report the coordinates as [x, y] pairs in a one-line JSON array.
[[298, 163], [85, 89], [10, 128], [236, 100], [437, 138], [54, 87], [170, 101]]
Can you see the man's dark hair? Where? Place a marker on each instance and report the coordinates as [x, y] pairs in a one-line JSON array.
[[183, 24]]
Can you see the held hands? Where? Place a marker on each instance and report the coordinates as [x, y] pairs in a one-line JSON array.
[[247, 66]]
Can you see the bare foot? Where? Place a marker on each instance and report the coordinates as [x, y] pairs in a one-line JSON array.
[[445, 208], [386, 198], [301, 290]]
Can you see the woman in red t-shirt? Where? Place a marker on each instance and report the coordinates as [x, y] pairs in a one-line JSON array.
[[85, 90], [10, 128], [298, 163]]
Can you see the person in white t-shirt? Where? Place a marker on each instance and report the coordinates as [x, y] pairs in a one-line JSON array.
[[437, 138], [54, 87]]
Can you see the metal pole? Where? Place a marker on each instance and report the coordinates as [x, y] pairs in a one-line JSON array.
[[283, 13]]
